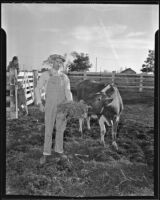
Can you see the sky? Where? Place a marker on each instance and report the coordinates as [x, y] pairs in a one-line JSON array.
[[119, 36]]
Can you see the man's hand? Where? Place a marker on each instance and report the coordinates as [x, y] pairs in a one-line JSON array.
[[16, 82], [41, 107]]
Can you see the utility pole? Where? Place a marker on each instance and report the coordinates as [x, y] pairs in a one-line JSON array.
[[96, 64]]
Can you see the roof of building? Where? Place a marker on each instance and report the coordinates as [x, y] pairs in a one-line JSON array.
[[128, 69]]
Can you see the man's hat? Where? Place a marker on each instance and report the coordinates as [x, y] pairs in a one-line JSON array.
[[54, 57], [15, 58]]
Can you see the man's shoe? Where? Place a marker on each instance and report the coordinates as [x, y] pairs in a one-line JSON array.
[[43, 160], [60, 155]]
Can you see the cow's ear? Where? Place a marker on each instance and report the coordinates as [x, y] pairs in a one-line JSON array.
[[106, 84], [113, 84]]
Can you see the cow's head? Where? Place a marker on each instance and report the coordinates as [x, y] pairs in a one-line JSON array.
[[104, 97], [99, 100], [109, 90]]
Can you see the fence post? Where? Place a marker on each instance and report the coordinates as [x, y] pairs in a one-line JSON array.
[[24, 82], [32, 95], [113, 76], [84, 75], [13, 93], [8, 98], [16, 93], [141, 83], [35, 79]]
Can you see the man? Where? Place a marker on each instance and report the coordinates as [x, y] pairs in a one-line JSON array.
[[57, 89], [13, 65], [13, 69]]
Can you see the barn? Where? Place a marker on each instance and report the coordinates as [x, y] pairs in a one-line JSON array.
[[128, 71]]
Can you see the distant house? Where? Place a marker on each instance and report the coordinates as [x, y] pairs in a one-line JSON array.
[[128, 71]]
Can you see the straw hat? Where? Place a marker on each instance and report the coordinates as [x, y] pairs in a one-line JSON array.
[[54, 57]]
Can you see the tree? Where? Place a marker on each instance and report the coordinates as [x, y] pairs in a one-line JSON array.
[[149, 62], [44, 69], [81, 62]]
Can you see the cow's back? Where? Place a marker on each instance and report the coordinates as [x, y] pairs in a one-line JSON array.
[[87, 88]]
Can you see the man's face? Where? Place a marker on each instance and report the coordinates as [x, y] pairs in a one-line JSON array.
[[15, 61], [57, 64]]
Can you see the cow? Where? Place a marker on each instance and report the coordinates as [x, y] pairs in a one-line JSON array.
[[105, 103]]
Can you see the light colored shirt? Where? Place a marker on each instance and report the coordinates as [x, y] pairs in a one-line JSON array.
[[42, 85]]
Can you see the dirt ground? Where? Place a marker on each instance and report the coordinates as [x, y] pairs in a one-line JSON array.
[[90, 170]]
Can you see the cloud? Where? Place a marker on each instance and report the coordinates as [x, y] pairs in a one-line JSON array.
[[116, 29], [94, 33], [42, 8], [53, 30], [107, 7], [64, 42], [135, 34], [108, 39], [84, 33], [99, 37], [131, 43], [34, 9]]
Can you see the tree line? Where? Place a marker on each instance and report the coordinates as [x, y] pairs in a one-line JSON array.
[[81, 62]]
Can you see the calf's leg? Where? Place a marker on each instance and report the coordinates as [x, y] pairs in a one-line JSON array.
[[102, 129], [88, 123], [81, 120]]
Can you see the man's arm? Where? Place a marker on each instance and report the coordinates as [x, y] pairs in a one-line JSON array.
[[68, 92], [17, 67], [9, 66], [38, 89]]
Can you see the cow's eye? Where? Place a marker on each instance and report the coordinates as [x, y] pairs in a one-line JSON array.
[[99, 98]]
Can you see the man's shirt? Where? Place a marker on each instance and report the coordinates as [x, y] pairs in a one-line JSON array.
[[42, 85], [13, 67]]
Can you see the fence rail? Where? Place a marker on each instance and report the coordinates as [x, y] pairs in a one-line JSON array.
[[136, 81]]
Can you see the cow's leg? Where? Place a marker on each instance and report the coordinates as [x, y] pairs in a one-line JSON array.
[[26, 109], [88, 123], [20, 109], [81, 120], [117, 120], [102, 129], [114, 132]]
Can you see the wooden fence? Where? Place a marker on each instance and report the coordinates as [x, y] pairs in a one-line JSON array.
[[123, 81], [136, 81]]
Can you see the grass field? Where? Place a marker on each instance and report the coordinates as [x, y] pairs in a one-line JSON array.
[[90, 169]]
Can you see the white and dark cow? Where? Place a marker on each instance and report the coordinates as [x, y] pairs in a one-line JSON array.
[[105, 103]]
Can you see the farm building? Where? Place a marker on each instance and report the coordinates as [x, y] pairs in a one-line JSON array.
[[128, 71]]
